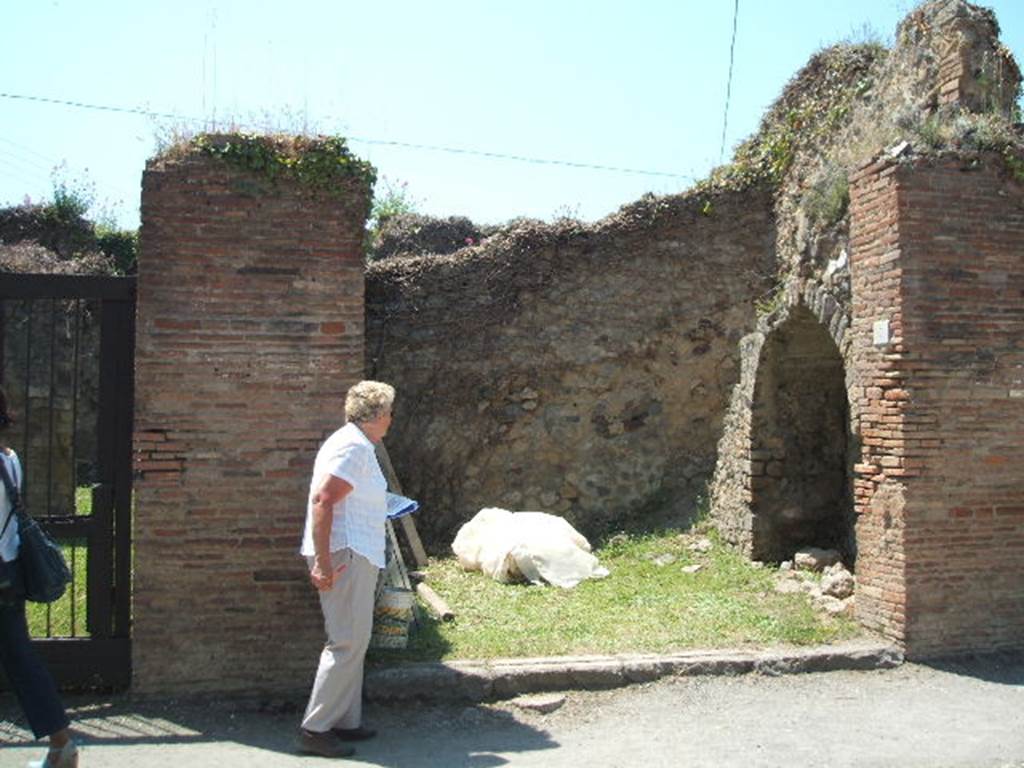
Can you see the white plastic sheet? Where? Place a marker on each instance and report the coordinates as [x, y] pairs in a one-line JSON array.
[[536, 546]]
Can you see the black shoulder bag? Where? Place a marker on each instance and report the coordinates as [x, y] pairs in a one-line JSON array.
[[43, 569]]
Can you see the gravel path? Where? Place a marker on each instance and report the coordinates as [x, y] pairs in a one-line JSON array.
[[956, 715]]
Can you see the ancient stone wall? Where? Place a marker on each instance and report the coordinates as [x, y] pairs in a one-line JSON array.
[[948, 83], [933, 372], [579, 371], [250, 330]]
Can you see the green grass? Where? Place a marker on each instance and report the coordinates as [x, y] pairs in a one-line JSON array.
[[55, 619], [640, 607], [58, 619], [83, 500]]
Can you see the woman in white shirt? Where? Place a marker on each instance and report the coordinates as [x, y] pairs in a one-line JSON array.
[[30, 680], [343, 543]]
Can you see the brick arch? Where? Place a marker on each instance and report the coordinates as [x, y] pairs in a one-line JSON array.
[[752, 506], [800, 445]]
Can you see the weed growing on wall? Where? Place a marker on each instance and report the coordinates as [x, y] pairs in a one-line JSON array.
[[771, 301], [1014, 164], [391, 199], [825, 203], [809, 114], [73, 225], [322, 164]]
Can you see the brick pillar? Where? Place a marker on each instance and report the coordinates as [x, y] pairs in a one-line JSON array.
[[962, 235], [879, 476], [250, 329], [935, 253]]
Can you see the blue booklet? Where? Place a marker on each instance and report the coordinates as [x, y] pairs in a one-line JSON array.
[[400, 506]]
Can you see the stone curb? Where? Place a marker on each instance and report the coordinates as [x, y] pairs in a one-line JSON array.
[[476, 681]]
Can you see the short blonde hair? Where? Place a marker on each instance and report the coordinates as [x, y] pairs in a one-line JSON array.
[[368, 400]]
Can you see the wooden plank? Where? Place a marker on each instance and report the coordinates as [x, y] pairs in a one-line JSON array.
[[396, 566], [413, 537], [435, 602], [419, 554]]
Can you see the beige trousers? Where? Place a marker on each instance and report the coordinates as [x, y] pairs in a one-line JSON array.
[[337, 697]]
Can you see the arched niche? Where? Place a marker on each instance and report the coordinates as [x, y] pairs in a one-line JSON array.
[[800, 446]]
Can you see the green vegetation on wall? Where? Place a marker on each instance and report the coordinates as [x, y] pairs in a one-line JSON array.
[[322, 164], [816, 104], [71, 226]]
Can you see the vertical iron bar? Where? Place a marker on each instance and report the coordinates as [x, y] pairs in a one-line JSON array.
[[74, 579], [51, 407], [74, 401], [101, 554], [26, 416], [3, 338], [124, 349]]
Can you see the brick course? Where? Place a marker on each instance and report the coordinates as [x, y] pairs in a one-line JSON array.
[[250, 329]]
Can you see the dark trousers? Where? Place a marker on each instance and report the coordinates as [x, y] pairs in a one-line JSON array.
[[30, 680]]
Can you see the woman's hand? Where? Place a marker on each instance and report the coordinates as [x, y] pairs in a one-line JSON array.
[[323, 578]]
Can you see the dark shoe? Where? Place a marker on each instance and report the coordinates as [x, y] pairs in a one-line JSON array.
[[322, 744], [354, 734]]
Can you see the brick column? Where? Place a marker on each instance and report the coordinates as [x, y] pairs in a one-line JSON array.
[[962, 235], [250, 329], [936, 253], [879, 484]]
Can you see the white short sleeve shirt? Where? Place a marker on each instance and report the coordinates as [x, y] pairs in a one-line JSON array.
[[10, 540], [359, 518]]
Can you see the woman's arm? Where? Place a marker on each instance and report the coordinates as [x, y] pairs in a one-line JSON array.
[[332, 490]]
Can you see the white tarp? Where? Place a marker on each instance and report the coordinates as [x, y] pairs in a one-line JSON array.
[[536, 546]]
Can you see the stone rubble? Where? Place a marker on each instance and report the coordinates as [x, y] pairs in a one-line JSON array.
[[833, 595], [701, 545], [540, 702], [815, 559], [837, 582]]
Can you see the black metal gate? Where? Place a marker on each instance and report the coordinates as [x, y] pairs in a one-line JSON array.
[[67, 364]]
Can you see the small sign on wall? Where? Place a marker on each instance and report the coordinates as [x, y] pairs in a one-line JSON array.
[[882, 335]]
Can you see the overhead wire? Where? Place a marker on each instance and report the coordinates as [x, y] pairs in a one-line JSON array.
[[728, 82], [31, 151], [21, 162], [363, 139]]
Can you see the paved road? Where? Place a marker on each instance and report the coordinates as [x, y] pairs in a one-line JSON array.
[[962, 715]]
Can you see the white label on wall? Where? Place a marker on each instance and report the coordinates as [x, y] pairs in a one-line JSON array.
[[881, 329]]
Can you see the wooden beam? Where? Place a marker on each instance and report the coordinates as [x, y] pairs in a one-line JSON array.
[[435, 602]]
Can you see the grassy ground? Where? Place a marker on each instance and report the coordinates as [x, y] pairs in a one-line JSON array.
[[647, 604], [66, 617]]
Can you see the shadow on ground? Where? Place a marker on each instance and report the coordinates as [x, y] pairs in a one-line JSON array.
[[1005, 668], [410, 734]]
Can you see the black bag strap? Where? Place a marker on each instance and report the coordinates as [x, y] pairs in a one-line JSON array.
[[12, 495]]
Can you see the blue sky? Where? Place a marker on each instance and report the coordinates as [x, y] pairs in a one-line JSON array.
[[639, 85]]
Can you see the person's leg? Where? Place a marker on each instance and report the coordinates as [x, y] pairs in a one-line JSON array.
[[336, 699], [30, 680]]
